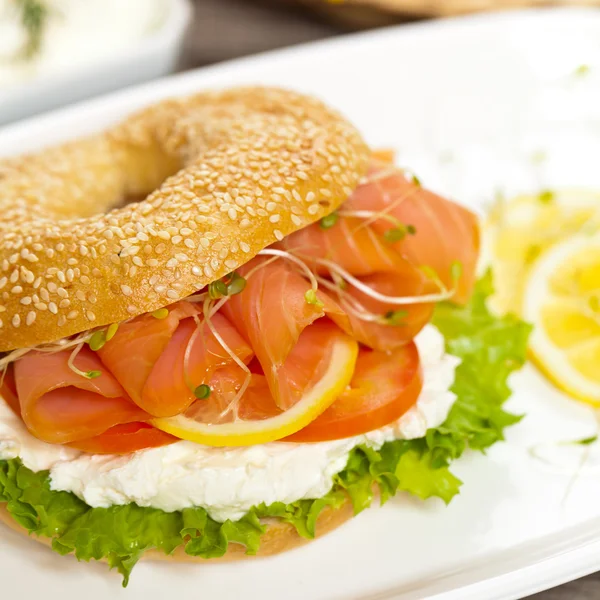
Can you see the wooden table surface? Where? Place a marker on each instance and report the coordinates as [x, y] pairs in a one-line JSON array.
[[225, 29]]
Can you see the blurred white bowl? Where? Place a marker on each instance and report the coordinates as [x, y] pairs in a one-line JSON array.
[[153, 56]]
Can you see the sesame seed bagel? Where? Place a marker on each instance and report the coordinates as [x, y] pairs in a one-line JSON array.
[[221, 175]]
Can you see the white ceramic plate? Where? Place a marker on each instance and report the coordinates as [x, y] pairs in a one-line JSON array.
[[154, 55], [469, 104]]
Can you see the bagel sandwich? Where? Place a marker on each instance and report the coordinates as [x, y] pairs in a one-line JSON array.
[[227, 325]]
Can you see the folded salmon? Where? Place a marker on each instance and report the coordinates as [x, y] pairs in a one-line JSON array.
[[444, 232], [59, 405], [354, 246], [161, 361], [274, 316]]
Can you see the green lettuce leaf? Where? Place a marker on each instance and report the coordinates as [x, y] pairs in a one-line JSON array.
[[491, 348]]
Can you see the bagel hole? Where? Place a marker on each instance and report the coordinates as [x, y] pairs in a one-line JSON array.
[[147, 169]]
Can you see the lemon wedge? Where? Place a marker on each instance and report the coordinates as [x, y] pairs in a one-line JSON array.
[[519, 231], [335, 380], [562, 301]]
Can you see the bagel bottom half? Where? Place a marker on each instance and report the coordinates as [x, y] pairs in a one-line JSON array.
[[278, 537]]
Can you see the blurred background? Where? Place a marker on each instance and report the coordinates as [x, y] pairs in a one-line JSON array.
[[224, 29], [53, 52]]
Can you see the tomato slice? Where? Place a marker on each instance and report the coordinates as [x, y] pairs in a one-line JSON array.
[[8, 390], [125, 438], [385, 385]]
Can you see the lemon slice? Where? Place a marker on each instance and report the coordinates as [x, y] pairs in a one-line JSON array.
[[562, 301], [245, 433], [518, 231]]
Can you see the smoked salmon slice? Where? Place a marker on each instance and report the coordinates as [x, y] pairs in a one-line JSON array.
[[348, 244], [148, 357], [445, 232], [58, 405], [304, 367], [366, 255], [272, 314], [401, 322]]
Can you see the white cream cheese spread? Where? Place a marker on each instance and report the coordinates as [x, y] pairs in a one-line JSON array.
[[227, 482]]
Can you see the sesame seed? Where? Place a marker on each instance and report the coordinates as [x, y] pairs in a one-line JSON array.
[[90, 315], [278, 234], [31, 315], [53, 308], [16, 321], [126, 290]]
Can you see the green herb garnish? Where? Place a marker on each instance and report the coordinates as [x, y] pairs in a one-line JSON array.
[[585, 441], [97, 340], [311, 297], [396, 317], [217, 289], [546, 197], [112, 330], [93, 374], [161, 313], [202, 392], [395, 234], [456, 270], [329, 221], [34, 15], [236, 284]]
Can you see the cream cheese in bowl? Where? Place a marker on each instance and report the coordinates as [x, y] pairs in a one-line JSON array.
[[45, 37]]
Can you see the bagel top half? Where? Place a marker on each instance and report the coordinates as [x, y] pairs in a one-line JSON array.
[[222, 175]]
